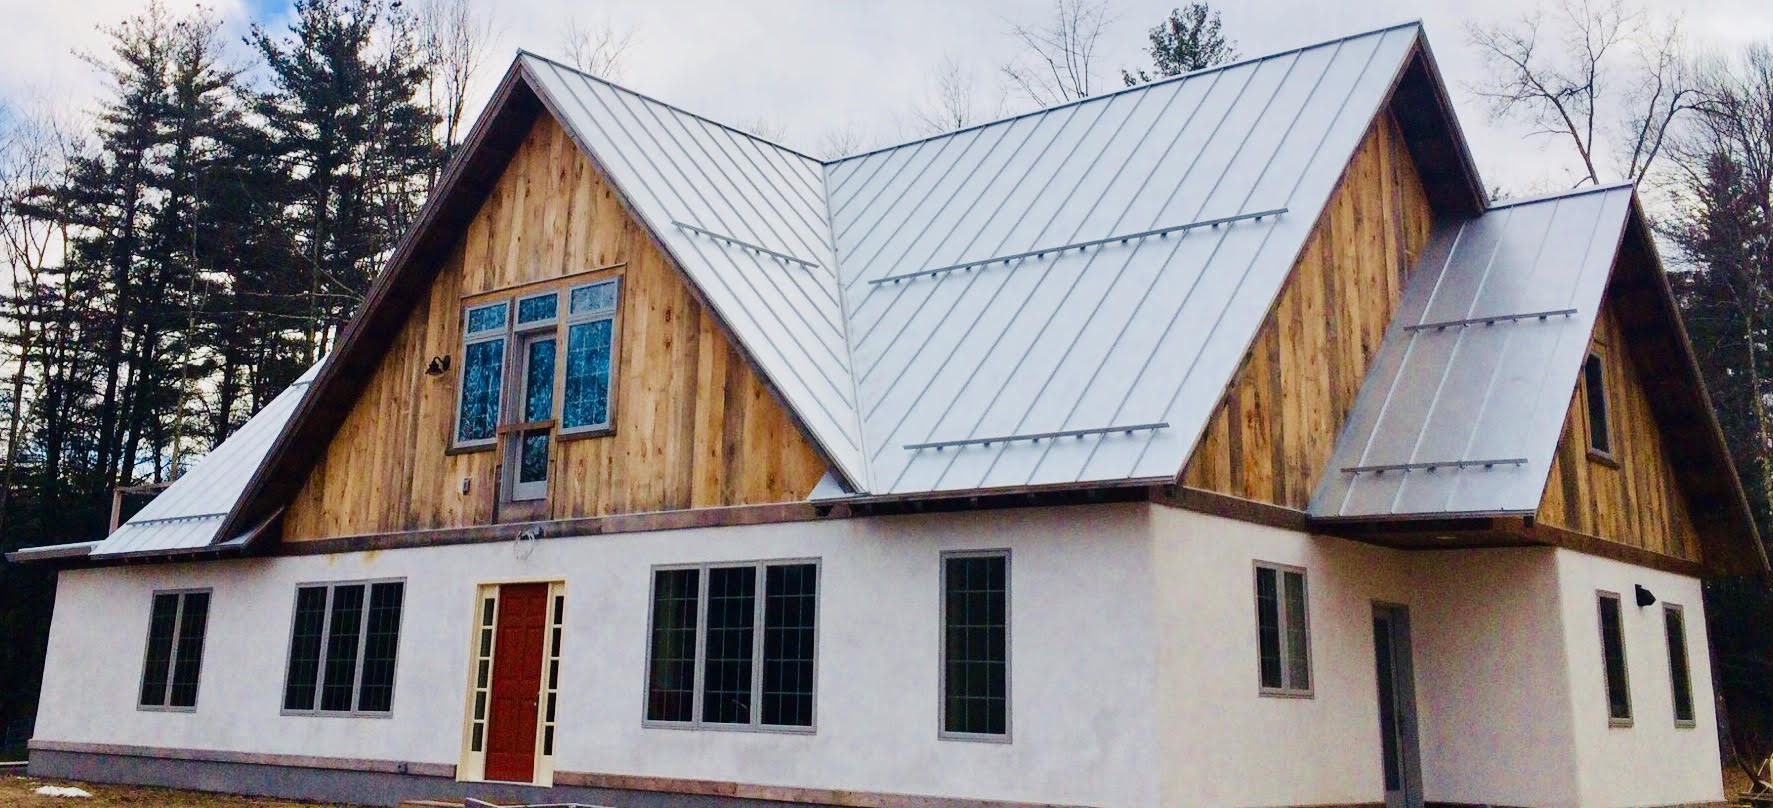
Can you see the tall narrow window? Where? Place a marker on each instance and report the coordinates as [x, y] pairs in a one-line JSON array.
[[1674, 625], [1594, 385], [174, 658], [976, 645], [590, 339], [1613, 661], [709, 663], [342, 648], [483, 370], [1283, 636]]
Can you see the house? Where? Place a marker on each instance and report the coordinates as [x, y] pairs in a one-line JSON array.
[[1214, 442]]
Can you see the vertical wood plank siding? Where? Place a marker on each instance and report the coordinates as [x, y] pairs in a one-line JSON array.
[[694, 424], [1269, 439], [1634, 498]]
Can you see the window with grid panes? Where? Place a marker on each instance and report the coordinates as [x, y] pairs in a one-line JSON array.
[[1283, 635], [975, 645], [343, 647], [176, 624], [733, 645]]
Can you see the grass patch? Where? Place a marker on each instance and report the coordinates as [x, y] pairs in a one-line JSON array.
[[17, 792]]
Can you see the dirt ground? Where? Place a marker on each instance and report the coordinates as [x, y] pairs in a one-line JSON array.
[[17, 792]]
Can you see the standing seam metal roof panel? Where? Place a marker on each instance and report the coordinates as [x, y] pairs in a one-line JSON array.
[[742, 193], [1479, 392], [189, 512], [1142, 332]]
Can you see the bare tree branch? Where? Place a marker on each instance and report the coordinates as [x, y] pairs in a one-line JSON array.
[[596, 49], [1058, 59]]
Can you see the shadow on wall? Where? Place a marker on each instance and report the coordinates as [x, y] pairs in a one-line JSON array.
[[12, 741]]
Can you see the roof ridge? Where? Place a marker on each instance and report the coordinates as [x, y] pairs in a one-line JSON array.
[[522, 52], [1102, 96], [1560, 195]]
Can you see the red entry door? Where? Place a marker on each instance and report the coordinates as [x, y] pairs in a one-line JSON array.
[[516, 683]]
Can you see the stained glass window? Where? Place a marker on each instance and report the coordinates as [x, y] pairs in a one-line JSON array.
[[486, 318], [587, 374], [598, 297], [537, 309], [481, 376]]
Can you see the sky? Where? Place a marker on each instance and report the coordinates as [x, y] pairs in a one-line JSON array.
[[803, 69]]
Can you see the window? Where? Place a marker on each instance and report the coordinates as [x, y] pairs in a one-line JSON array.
[[1674, 625], [175, 650], [548, 401], [483, 370], [1613, 661], [1283, 631], [976, 645], [1594, 386], [590, 337], [709, 664], [342, 648]]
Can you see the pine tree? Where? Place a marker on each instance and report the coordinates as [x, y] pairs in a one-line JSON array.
[[344, 114], [1188, 40]]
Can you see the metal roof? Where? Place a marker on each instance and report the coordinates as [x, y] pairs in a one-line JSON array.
[[1464, 405], [745, 219], [1063, 296], [190, 511]]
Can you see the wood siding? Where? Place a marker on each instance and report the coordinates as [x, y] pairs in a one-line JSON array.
[[695, 426], [1269, 439], [1631, 498]]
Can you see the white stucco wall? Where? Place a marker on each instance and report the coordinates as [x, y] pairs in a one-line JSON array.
[[1651, 762], [1081, 655], [1133, 664]]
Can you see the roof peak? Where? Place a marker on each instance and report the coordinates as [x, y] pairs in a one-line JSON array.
[[1555, 196], [522, 52]]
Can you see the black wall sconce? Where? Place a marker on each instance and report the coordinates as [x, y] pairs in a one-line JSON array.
[[1645, 598], [437, 366]]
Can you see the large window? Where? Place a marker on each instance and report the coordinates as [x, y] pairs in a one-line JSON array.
[[1674, 625], [342, 648], [1594, 388], [175, 650], [556, 374], [1613, 660], [1283, 631], [722, 655], [976, 645]]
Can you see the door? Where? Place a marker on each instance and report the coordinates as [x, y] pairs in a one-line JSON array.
[[516, 683], [535, 395], [1397, 706]]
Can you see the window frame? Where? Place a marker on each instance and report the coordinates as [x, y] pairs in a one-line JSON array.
[[1009, 644], [1686, 670], [1285, 691], [172, 657], [1624, 660], [1592, 394], [326, 636], [761, 569], [457, 443], [568, 319]]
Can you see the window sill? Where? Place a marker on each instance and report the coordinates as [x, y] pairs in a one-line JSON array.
[[155, 708], [1603, 458], [1679, 724], [333, 714], [1273, 693], [764, 728], [973, 737], [472, 449], [1619, 723], [582, 434]]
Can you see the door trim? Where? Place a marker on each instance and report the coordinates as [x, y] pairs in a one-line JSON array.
[[472, 768], [1403, 685]]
